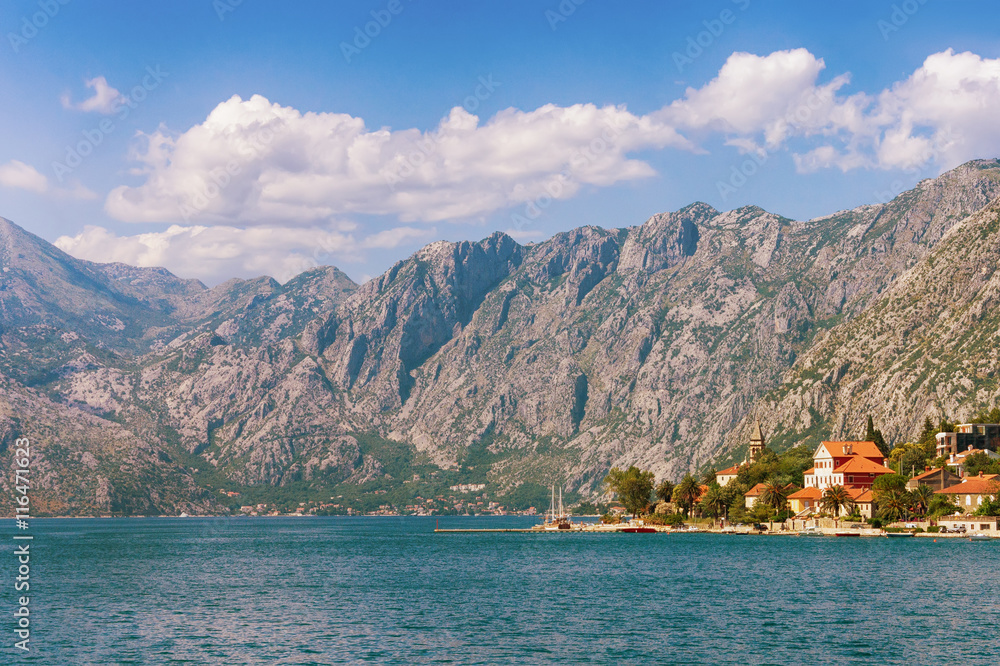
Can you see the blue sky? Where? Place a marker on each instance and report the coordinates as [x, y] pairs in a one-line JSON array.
[[237, 139]]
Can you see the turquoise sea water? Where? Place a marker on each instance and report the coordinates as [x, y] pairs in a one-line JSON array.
[[389, 590]]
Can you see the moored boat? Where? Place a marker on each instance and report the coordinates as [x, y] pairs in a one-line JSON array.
[[980, 537], [847, 534], [897, 535]]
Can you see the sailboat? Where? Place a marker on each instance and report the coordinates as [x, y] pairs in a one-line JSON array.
[[556, 518]]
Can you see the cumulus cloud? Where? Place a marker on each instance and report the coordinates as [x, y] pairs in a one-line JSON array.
[[105, 99], [214, 254], [775, 96], [18, 175], [257, 163], [945, 112], [253, 161]]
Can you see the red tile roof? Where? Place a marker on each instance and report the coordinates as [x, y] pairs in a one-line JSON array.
[[729, 471], [859, 465], [865, 449], [976, 485], [756, 490], [811, 470], [926, 474], [860, 495], [807, 494]]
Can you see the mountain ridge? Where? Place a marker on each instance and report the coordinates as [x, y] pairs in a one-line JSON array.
[[512, 364]]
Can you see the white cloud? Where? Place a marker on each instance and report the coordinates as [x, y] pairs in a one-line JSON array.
[[105, 99], [215, 254], [945, 112], [256, 163], [18, 175], [252, 162]]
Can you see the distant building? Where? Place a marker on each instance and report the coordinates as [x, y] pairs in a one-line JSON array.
[[806, 500], [752, 495], [938, 479], [727, 475], [847, 464], [969, 436], [972, 524], [957, 460], [972, 491], [756, 443], [468, 487]]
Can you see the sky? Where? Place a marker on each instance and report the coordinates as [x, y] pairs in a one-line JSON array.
[[229, 138]]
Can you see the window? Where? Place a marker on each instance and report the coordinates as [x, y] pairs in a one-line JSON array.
[[968, 500]]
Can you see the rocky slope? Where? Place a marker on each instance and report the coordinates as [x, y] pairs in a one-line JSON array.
[[927, 347], [550, 362]]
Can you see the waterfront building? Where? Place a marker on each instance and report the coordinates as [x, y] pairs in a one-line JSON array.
[[969, 436], [938, 479], [806, 500], [972, 491], [751, 496], [848, 464], [957, 460], [725, 476]]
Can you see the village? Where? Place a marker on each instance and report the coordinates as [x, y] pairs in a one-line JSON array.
[[851, 489]]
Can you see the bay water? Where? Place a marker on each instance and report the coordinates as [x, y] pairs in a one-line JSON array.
[[390, 590]]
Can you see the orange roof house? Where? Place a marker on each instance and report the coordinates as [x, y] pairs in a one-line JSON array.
[[807, 498], [727, 475], [938, 479], [750, 497], [973, 491], [848, 464]]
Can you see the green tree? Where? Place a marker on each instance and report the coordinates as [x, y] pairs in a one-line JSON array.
[[708, 477], [981, 462], [921, 497], [873, 435], [792, 463], [633, 487], [686, 494], [989, 507], [713, 502], [893, 505], [927, 435], [941, 505], [836, 498], [774, 496], [888, 483], [665, 490]]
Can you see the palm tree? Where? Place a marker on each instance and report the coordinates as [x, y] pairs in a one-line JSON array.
[[836, 498], [687, 492], [894, 505], [774, 496], [713, 503], [921, 497], [665, 490]]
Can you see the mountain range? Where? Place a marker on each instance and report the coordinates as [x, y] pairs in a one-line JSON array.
[[655, 345]]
